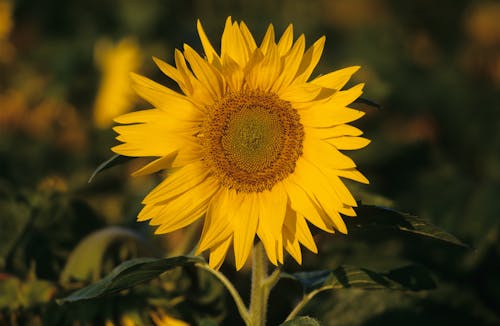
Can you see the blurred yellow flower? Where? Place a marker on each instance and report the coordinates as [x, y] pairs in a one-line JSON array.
[[5, 19], [483, 23], [124, 321], [50, 119], [13, 111], [160, 318], [252, 144], [6, 25], [115, 96]]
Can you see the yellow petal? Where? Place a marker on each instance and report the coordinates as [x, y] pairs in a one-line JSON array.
[[160, 124], [336, 79], [169, 70], [279, 249], [343, 194], [310, 60], [178, 182], [218, 253], [177, 215], [157, 138], [186, 75], [272, 206], [149, 211], [308, 175], [268, 39], [151, 91], [233, 74], [348, 142], [218, 225], [331, 132], [332, 111], [290, 241], [304, 234], [205, 73], [197, 91], [263, 74], [186, 208], [317, 150], [233, 44], [300, 93], [163, 98], [177, 109], [245, 225], [286, 40], [297, 225], [303, 204], [353, 174], [148, 140], [270, 244], [205, 42], [323, 117], [291, 64], [347, 210], [247, 36], [159, 164]]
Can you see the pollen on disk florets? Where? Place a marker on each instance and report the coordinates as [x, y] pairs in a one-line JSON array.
[[251, 140]]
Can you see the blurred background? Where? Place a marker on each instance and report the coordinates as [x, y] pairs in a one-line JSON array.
[[433, 66]]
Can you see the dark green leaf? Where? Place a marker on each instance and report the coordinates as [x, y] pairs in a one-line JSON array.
[[367, 102], [86, 260], [14, 218], [301, 321], [208, 322], [129, 274], [411, 277], [113, 161], [381, 221]]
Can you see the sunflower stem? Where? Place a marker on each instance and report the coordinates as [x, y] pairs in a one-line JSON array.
[[261, 286], [305, 300], [232, 290]]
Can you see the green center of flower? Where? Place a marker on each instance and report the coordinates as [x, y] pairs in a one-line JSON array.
[[252, 140]]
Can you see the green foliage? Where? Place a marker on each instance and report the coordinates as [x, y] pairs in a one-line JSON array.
[[383, 222], [129, 274], [113, 161], [12, 228], [87, 259], [301, 321], [16, 293], [40, 228], [412, 278]]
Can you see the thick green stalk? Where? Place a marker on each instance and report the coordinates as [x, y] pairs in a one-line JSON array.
[[261, 286]]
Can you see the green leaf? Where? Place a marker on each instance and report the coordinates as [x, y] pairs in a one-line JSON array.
[[208, 322], [301, 321], [367, 102], [15, 293], [14, 219], [410, 277], [129, 274], [86, 261], [113, 161], [381, 222]]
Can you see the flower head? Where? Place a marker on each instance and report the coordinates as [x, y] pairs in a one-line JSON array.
[[251, 144]]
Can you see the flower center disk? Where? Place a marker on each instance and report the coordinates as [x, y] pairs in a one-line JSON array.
[[252, 140]]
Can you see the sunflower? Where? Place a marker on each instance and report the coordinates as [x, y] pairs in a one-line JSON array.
[[250, 144]]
